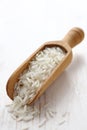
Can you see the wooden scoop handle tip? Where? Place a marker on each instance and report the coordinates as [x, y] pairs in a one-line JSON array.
[[74, 36]]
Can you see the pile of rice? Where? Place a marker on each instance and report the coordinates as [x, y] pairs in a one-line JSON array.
[[32, 79]]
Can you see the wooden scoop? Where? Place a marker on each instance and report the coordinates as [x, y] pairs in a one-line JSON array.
[[73, 37]]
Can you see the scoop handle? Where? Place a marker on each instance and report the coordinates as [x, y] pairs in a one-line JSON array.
[[74, 36]]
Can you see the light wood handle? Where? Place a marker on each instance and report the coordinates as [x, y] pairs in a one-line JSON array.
[[74, 36]]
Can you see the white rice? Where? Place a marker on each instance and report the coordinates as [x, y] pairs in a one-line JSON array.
[[31, 80], [37, 72], [42, 123]]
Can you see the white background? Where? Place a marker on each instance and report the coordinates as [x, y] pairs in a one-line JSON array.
[[24, 26]]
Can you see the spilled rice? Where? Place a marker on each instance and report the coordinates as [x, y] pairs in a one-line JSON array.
[[31, 80]]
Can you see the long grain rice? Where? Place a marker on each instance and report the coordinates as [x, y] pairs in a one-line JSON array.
[[38, 71]]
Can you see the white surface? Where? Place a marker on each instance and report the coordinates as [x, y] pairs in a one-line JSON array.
[[24, 26]]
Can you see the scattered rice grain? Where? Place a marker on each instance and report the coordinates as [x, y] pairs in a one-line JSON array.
[[31, 80], [42, 123]]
